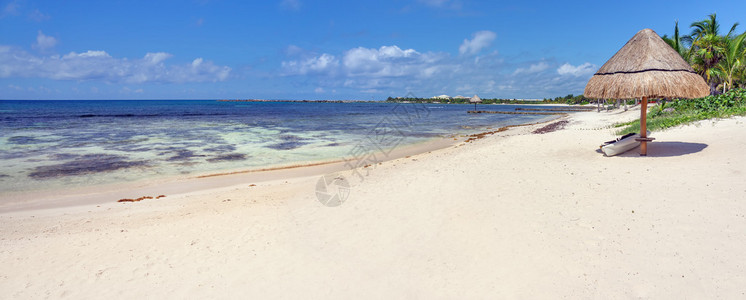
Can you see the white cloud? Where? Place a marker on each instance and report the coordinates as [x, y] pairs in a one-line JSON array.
[[534, 68], [393, 71], [480, 40], [99, 65], [369, 67], [293, 50], [291, 4], [155, 58], [319, 64], [385, 61], [88, 53], [44, 42], [319, 90], [11, 9], [14, 8], [581, 70], [38, 16]]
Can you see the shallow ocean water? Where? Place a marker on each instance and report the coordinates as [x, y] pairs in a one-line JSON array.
[[53, 144]]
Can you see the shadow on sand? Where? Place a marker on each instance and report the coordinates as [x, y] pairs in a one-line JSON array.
[[665, 149]]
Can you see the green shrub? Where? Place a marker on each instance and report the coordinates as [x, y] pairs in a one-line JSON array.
[[686, 111]]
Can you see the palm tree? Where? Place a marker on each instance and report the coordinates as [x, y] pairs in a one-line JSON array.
[[678, 43], [708, 49], [734, 52], [705, 57]]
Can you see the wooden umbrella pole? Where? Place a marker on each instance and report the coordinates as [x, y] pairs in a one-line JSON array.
[[643, 126]]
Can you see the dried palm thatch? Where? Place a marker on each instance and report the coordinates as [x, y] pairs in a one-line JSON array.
[[646, 67], [475, 100]]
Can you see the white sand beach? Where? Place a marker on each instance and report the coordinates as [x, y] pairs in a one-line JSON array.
[[514, 215]]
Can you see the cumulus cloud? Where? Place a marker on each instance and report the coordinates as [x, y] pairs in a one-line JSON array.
[[99, 65], [371, 63], [480, 40], [385, 61], [393, 71], [44, 42], [581, 70], [533, 68], [319, 64], [155, 58]]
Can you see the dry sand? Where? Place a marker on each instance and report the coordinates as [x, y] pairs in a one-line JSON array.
[[513, 215]]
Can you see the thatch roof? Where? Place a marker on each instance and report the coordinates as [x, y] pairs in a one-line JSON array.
[[646, 67], [475, 99]]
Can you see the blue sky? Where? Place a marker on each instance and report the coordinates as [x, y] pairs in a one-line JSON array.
[[301, 49]]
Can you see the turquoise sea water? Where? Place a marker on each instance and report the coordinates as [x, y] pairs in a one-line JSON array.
[[52, 144]]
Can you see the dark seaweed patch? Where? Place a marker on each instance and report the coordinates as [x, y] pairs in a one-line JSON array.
[[228, 157], [133, 149], [167, 150], [290, 137], [289, 142], [85, 164], [286, 145], [63, 156], [19, 154], [23, 140], [183, 155], [221, 148]]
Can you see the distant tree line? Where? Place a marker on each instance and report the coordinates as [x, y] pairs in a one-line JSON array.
[[569, 99]]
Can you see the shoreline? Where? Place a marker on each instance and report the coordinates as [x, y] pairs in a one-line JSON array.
[[174, 185], [112, 192], [513, 214]]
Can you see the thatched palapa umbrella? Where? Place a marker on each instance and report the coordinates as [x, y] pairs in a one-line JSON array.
[[646, 67], [475, 100]]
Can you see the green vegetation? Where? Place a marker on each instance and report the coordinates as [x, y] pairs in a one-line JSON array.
[[719, 59], [684, 111]]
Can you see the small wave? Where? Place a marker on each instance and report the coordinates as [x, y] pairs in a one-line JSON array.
[[104, 116], [149, 115]]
